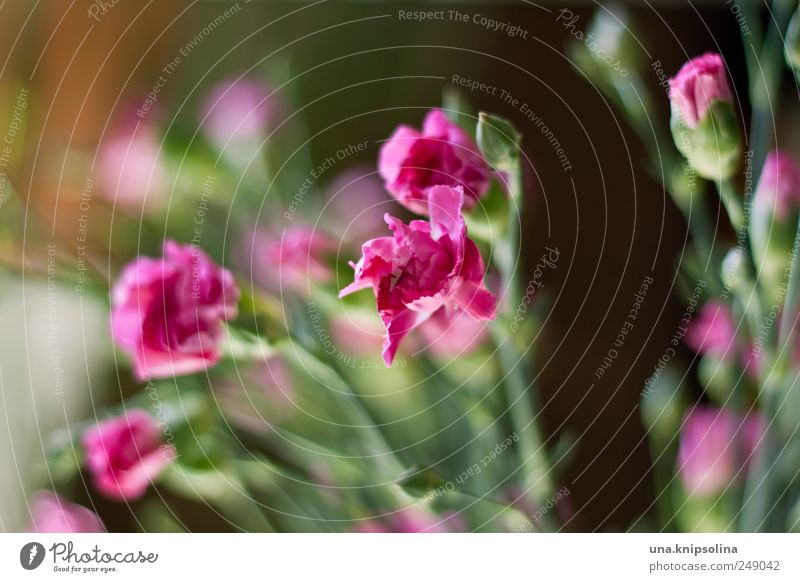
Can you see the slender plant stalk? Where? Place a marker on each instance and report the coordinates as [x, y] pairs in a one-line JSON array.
[[732, 203], [517, 381], [764, 70], [763, 487]]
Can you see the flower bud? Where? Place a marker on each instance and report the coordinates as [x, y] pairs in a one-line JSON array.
[[774, 217], [714, 444], [611, 41], [713, 331], [704, 124], [131, 169], [498, 140], [735, 274], [237, 111]]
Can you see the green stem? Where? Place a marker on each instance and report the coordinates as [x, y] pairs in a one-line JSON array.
[[790, 303], [732, 204], [383, 455], [753, 35], [521, 401], [763, 487], [520, 395], [765, 75]]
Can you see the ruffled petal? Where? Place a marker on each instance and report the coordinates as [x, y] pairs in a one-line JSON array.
[[476, 299], [444, 205]]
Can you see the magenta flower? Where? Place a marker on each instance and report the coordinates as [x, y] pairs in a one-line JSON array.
[[780, 182], [714, 445], [713, 331], [129, 168], [411, 162], [125, 454], [52, 514], [167, 313], [289, 260], [237, 110], [424, 267], [699, 82]]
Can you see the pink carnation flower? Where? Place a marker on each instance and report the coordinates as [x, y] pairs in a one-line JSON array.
[[714, 445], [129, 168], [237, 110], [424, 267], [357, 204], [125, 454], [780, 182], [167, 313], [713, 331], [52, 514], [411, 162], [287, 261], [699, 82]]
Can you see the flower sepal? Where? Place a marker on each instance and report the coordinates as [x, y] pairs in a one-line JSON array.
[[714, 146], [498, 141]]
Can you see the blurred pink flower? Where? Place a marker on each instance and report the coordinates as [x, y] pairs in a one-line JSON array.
[[411, 162], [129, 168], [450, 335], [52, 514], [424, 267], [780, 182], [237, 110], [699, 82], [288, 261], [356, 334], [714, 444], [713, 331], [407, 520], [357, 205], [167, 313], [125, 454]]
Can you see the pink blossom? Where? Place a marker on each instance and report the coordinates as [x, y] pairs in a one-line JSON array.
[[714, 445], [125, 454], [713, 331], [288, 261], [411, 162], [357, 332], [129, 168], [450, 335], [357, 205], [167, 313], [698, 83], [424, 267], [52, 514], [780, 182], [237, 110]]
